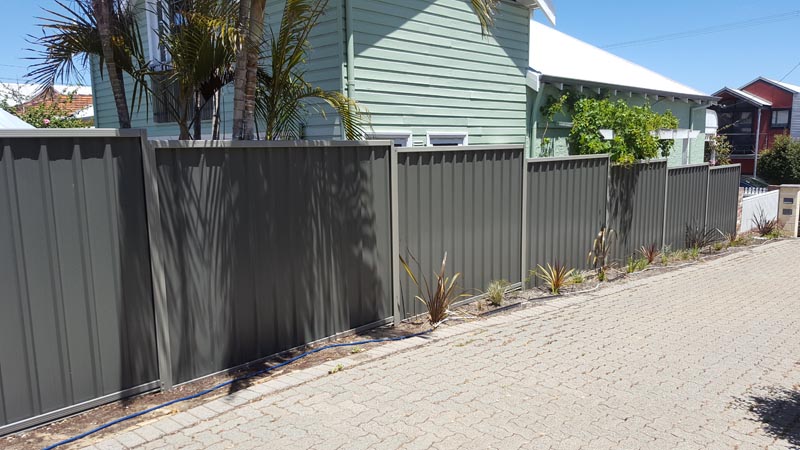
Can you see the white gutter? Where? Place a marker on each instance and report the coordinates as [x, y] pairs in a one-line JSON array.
[[351, 48], [758, 138]]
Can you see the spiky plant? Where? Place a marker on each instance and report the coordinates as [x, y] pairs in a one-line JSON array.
[[555, 277], [438, 297], [601, 249], [496, 292], [650, 252], [764, 226], [699, 237]]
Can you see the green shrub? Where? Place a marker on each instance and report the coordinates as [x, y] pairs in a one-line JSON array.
[[635, 130], [781, 163], [577, 278], [635, 265], [496, 292]]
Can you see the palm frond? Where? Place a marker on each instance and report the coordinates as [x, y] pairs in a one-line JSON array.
[[484, 10], [283, 97]]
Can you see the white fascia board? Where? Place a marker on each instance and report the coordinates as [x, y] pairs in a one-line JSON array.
[[533, 80], [545, 5]]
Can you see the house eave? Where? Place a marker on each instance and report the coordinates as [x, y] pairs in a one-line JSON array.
[[561, 81]]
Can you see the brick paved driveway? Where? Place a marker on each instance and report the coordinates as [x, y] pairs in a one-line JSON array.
[[704, 357]]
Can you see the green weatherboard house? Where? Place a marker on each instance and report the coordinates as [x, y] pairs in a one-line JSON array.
[[559, 63], [420, 67]]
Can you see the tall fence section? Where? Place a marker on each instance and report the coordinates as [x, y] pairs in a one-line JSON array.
[[130, 265]]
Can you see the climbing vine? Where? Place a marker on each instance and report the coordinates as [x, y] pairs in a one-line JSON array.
[[635, 130]]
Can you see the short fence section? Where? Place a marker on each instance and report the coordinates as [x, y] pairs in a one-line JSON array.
[[754, 206], [126, 264], [270, 247], [566, 208], [687, 196], [636, 198], [723, 199], [76, 310], [466, 201]]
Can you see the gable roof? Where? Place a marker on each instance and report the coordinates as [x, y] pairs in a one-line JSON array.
[[793, 88], [562, 58], [744, 95], [9, 121]]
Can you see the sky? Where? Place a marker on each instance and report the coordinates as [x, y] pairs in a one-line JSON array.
[[707, 62]]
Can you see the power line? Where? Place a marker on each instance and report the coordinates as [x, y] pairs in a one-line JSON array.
[[789, 15], [790, 72]]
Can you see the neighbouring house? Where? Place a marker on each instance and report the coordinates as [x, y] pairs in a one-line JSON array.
[[754, 114], [559, 62], [76, 100], [420, 67]]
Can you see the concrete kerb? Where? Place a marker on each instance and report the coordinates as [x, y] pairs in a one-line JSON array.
[[161, 426]]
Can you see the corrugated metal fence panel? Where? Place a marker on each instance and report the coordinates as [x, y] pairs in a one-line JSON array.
[[686, 202], [636, 206], [76, 315], [723, 198], [566, 208], [271, 248], [467, 203]]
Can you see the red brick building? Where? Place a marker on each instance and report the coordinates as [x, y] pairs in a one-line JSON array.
[[753, 115]]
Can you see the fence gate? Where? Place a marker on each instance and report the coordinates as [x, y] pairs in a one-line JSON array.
[[76, 314]]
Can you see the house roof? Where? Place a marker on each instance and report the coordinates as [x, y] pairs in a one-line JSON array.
[[9, 121], [28, 91], [744, 95], [793, 88], [545, 5], [559, 57]]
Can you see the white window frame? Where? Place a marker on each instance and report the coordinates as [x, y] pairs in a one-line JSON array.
[[152, 34], [401, 138], [459, 138]]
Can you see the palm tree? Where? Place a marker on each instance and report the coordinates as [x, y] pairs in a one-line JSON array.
[[281, 89], [105, 29], [201, 37], [251, 23]]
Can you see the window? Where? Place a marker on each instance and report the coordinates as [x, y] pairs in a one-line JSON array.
[[160, 14], [165, 99], [780, 118], [442, 138], [400, 138]]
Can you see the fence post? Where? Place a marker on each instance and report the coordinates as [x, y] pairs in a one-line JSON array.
[[708, 194], [524, 217], [156, 239], [395, 230], [666, 210]]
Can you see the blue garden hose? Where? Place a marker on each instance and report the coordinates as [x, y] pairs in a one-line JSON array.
[[228, 383]]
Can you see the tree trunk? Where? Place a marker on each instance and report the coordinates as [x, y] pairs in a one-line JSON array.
[[215, 117], [103, 10], [244, 103], [240, 72]]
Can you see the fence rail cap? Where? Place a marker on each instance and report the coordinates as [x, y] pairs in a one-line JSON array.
[[689, 166], [725, 166], [568, 158], [173, 144], [73, 133], [460, 148]]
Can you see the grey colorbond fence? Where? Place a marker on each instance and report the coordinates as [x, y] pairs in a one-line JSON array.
[[466, 201], [76, 310], [566, 200], [687, 196], [127, 266], [723, 198], [268, 247], [636, 207]]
